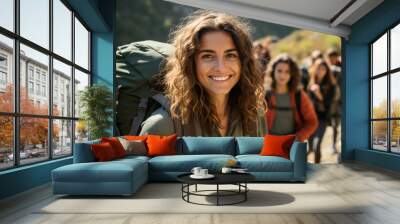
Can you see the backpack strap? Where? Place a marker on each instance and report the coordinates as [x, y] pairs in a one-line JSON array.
[[162, 100], [298, 104], [180, 129], [268, 96], [141, 112]]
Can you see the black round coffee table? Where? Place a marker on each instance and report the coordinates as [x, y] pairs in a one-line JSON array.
[[238, 179]]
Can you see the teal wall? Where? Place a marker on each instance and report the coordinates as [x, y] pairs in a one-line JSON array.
[[103, 52], [24, 178], [99, 15], [356, 127]]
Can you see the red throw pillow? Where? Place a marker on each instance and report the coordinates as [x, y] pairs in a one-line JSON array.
[[116, 145], [103, 151], [161, 145], [277, 145], [134, 137]]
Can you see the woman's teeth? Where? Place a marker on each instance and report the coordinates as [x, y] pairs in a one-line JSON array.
[[220, 78]]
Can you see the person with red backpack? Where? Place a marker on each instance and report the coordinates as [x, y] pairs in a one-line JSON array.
[[290, 110]]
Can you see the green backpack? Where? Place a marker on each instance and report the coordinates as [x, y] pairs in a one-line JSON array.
[[139, 91]]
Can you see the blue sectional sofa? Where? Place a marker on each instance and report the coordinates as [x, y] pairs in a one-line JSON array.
[[125, 176]]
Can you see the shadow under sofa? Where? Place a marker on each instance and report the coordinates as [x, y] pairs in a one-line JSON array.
[[126, 175]]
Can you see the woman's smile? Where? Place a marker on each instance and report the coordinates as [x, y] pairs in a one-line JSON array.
[[220, 78]]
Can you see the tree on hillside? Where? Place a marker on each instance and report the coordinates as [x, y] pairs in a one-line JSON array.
[[301, 43]]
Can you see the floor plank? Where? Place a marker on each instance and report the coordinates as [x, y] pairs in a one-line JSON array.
[[376, 190]]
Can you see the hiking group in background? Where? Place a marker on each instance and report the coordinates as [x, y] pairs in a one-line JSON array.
[[317, 84]]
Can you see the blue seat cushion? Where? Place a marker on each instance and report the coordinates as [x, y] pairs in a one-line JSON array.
[[257, 163], [111, 171], [249, 145], [132, 158], [206, 145], [185, 163]]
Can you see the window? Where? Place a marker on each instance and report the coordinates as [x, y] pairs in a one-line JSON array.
[[6, 73], [37, 74], [3, 72], [62, 129], [43, 90], [62, 31], [3, 78], [7, 14], [34, 22], [81, 45], [43, 77], [3, 61], [41, 83], [385, 96], [38, 89], [62, 75], [81, 81], [30, 87], [30, 72]]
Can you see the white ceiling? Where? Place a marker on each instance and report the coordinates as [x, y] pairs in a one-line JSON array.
[[324, 16]]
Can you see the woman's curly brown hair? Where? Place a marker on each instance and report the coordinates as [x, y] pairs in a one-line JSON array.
[[188, 98]]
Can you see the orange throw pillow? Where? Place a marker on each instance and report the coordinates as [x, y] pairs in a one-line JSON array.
[[103, 151], [277, 145], [116, 145], [135, 138], [161, 145]]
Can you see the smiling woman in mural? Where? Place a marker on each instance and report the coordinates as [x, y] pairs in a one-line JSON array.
[[212, 81]]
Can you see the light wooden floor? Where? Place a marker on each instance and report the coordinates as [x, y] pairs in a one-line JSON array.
[[377, 188]]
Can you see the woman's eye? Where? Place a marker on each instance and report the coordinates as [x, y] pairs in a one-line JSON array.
[[232, 56], [206, 56]]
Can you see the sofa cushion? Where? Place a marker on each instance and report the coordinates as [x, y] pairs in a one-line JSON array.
[[277, 145], [257, 163], [116, 145], [131, 158], [133, 147], [185, 163], [111, 171], [249, 145], [161, 145], [206, 145], [103, 152]]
